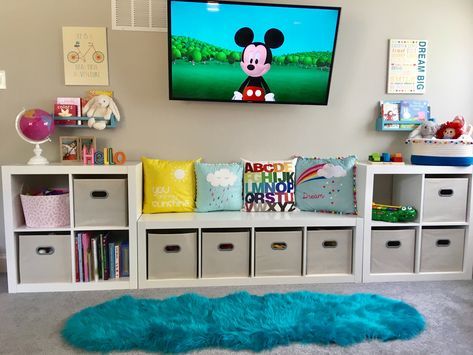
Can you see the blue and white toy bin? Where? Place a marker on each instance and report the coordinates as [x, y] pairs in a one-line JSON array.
[[450, 152]]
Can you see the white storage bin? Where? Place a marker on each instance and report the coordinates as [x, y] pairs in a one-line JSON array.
[[226, 253], [100, 202], [278, 253], [442, 250], [172, 255], [45, 258], [445, 199], [392, 251], [329, 251]]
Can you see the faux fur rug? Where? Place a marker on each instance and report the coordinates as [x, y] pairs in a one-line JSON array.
[[240, 321]]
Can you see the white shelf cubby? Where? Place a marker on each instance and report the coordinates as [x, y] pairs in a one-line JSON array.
[[405, 185], [17, 178]]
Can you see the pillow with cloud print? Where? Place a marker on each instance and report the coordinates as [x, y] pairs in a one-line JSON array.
[[326, 185], [219, 187]]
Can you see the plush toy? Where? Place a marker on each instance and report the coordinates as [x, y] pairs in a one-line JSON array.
[[426, 130], [452, 129], [100, 106]]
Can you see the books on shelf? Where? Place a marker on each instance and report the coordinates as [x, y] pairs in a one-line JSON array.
[[100, 256], [65, 110], [417, 110], [71, 103], [390, 112], [404, 110]]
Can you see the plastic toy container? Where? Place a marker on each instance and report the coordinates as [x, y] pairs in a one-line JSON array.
[[46, 211]]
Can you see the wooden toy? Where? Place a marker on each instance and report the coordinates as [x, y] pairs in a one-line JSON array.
[[386, 158]]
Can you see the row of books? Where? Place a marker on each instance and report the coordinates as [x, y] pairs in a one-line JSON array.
[[68, 107], [99, 256], [404, 110], [71, 107]]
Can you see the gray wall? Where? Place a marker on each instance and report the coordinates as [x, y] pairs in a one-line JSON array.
[[31, 54]]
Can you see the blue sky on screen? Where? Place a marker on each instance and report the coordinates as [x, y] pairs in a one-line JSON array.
[[304, 29]]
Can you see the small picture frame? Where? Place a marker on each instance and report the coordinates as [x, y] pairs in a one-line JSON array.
[[69, 149], [88, 142]]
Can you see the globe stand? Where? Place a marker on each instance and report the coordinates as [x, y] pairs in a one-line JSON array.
[[33, 122], [38, 159]]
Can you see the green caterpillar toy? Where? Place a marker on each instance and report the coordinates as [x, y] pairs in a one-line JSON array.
[[393, 214]]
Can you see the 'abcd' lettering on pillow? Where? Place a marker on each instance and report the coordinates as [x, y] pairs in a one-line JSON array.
[[269, 186]]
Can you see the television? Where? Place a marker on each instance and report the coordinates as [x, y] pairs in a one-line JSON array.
[[250, 52]]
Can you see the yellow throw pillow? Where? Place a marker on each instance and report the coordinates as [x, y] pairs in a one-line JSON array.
[[169, 185]]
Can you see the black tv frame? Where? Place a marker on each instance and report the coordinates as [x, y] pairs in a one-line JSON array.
[[325, 103]]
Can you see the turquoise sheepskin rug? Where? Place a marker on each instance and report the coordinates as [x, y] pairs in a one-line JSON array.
[[240, 321]]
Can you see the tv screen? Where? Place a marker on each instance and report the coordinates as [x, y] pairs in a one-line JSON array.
[[248, 52]]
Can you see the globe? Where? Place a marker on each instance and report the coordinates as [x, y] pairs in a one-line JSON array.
[[35, 126]]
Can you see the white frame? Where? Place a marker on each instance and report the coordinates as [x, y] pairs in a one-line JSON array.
[[12, 209], [253, 220], [367, 173]]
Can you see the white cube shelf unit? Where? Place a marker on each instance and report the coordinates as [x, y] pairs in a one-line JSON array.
[[438, 245], [16, 178], [174, 247]]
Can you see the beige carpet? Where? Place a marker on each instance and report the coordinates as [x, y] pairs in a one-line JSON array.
[[30, 323]]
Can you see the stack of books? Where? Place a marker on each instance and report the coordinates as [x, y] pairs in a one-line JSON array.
[[404, 110], [99, 256]]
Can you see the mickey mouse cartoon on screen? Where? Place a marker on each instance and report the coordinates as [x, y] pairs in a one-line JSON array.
[[256, 61]]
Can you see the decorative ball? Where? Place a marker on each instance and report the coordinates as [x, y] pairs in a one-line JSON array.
[[36, 125]]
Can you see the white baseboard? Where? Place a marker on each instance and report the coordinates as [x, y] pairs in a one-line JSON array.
[[3, 263]]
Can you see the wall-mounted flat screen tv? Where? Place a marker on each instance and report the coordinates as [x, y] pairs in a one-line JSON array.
[[249, 52]]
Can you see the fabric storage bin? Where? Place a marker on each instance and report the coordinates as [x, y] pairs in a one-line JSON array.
[[329, 251], [392, 251], [172, 255], [45, 258], [445, 199], [278, 253], [226, 253], [46, 211], [100, 202], [442, 250]]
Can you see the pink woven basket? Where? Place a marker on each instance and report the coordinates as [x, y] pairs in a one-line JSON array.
[[46, 211]]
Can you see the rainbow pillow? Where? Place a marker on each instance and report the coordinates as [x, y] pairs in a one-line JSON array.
[[326, 185]]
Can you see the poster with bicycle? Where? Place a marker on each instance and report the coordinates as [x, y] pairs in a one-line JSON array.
[[85, 55]]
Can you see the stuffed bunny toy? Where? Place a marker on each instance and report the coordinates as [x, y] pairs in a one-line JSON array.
[[426, 130], [100, 106]]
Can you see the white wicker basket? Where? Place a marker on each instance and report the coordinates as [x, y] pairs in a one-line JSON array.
[[453, 152]]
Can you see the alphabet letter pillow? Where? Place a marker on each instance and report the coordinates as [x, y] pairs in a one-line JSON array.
[[269, 186], [219, 187], [326, 185], [169, 186]]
